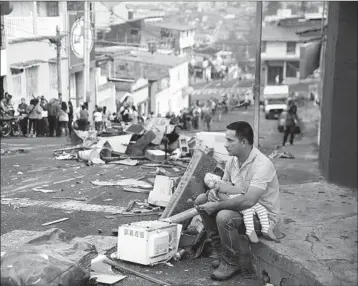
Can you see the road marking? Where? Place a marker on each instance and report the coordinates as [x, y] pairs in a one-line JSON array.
[[66, 205], [23, 188]]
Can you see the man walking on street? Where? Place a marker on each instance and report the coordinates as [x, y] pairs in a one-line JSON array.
[[291, 123], [250, 173]]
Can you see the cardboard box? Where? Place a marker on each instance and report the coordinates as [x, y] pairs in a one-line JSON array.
[[155, 155]]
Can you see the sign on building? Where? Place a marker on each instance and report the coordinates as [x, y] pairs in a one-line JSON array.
[[77, 40]]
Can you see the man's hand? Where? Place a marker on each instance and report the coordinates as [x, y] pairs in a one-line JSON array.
[[209, 208]]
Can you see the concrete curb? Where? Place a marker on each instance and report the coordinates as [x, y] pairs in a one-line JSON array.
[[281, 270]]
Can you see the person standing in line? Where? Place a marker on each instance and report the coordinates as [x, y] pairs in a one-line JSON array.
[[97, 118], [105, 118], [44, 123], [63, 118], [22, 109], [83, 118], [39, 125], [70, 117], [207, 115], [291, 123], [34, 111], [52, 111]]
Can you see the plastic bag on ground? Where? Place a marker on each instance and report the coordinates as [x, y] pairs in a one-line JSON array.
[[54, 258]]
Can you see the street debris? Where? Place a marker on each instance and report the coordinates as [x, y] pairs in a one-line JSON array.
[[283, 155], [45, 256], [136, 273], [127, 162], [70, 198], [135, 190], [43, 190], [14, 152], [124, 183], [55, 221]]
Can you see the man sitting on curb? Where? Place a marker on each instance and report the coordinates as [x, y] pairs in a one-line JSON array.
[[252, 174]]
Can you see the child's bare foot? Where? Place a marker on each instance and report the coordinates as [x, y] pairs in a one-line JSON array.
[[253, 237]]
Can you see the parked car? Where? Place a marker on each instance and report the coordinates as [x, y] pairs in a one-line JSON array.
[[281, 123]]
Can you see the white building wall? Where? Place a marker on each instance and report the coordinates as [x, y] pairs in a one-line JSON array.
[[162, 101], [3, 62], [277, 51], [179, 77], [40, 50], [187, 39]]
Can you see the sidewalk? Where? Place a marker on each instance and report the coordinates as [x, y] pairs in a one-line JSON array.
[[319, 225]]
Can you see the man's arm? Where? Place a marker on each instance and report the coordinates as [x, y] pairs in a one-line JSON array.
[[263, 175], [242, 202]]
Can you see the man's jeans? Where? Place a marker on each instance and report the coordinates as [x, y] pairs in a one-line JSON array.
[[226, 229]]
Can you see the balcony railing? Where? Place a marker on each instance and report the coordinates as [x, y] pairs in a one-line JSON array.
[[25, 27]]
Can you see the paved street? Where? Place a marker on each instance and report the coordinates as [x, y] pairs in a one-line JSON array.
[[86, 205], [89, 208]]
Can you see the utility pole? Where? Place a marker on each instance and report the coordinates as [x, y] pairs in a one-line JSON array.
[[57, 42], [85, 52], [256, 89], [58, 50]]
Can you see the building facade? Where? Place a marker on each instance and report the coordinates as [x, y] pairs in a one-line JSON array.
[[28, 64], [338, 138], [168, 76], [281, 48]]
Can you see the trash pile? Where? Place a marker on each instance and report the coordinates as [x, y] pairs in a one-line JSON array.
[[156, 141], [9, 152]]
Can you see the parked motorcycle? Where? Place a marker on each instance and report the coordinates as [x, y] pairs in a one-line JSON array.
[[9, 125]]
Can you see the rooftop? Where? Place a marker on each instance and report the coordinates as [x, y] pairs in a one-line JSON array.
[[273, 33], [154, 59], [173, 26]]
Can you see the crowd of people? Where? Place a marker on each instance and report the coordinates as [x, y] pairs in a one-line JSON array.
[[40, 117], [201, 114]]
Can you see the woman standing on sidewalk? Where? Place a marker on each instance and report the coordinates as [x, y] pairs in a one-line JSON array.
[[63, 118], [291, 123], [70, 116]]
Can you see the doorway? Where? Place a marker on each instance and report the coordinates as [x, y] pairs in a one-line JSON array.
[[274, 69]]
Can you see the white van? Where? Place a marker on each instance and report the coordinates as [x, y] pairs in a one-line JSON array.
[[275, 100]]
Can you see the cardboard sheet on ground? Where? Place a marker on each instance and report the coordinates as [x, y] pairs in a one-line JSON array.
[[158, 126], [103, 272], [124, 183], [118, 143], [86, 138]]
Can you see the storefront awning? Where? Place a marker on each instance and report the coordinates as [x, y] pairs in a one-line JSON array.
[[26, 64]]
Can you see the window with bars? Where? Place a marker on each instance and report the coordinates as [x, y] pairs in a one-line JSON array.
[[291, 48], [17, 84], [32, 78], [53, 75]]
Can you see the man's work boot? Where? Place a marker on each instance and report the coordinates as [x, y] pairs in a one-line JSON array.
[[215, 264], [225, 271]]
